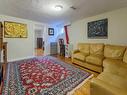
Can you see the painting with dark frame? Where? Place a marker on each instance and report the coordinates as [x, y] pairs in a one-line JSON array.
[[98, 29], [50, 31]]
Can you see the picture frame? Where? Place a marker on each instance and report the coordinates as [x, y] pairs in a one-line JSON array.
[[15, 30], [98, 29], [51, 31]]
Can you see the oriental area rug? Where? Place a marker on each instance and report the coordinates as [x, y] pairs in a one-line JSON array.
[[42, 76]]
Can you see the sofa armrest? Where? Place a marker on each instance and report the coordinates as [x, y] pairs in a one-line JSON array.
[[98, 87], [75, 51]]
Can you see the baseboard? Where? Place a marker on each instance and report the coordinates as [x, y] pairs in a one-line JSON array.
[[11, 60]]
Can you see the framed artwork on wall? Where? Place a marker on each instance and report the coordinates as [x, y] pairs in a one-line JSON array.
[[98, 29], [15, 30], [51, 31]]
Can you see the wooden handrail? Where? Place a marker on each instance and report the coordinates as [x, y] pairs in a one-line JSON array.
[[5, 52]]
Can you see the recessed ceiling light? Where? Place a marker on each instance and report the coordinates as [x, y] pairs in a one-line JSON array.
[[58, 7]]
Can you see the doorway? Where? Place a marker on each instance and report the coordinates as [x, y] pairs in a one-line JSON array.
[[39, 42]]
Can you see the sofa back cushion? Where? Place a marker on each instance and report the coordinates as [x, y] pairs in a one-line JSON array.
[[125, 57], [114, 51], [84, 48], [96, 49]]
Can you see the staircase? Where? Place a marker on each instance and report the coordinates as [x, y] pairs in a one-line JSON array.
[[3, 56]]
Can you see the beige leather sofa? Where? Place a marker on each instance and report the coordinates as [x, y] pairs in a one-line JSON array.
[[89, 56], [111, 59], [113, 80]]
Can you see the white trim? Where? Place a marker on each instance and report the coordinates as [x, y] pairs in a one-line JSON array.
[[11, 60]]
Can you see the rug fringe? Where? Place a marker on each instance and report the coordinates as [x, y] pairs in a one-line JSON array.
[[79, 86]]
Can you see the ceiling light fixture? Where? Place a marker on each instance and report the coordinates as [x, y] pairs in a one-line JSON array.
[[58, 7]]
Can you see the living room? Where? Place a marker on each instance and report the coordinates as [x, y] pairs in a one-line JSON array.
[[93, 40]]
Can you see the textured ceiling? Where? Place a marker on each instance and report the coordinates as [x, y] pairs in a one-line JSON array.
[[42, 10]]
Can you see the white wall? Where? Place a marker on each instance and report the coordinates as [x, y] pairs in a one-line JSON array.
[[48, 39], [60, 35], [117, 28], [19, 48]]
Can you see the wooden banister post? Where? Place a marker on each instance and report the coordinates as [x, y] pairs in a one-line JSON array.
[[5, 52]]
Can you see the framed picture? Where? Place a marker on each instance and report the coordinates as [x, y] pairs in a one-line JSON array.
[[50, 31], [15, 30], [98, 29]]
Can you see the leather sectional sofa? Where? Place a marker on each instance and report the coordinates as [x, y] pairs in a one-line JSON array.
[[112, 60], [93, 55]]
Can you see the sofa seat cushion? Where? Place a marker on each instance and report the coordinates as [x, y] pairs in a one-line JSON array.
[[80, 56], [111, 65], [111, 61], [115, 66], [114, 80], [96, 60], [99, 87]]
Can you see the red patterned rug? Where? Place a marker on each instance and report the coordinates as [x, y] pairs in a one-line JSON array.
[[41, 76]]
